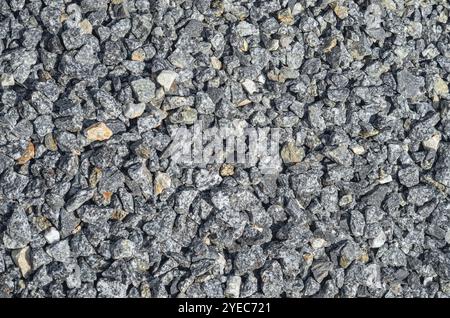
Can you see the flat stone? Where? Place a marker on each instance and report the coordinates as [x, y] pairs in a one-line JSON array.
[[98, 132]]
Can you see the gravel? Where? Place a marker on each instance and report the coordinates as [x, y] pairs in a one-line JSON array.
[[113, 177]]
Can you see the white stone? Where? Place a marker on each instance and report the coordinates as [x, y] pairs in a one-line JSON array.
[[385, 179], [52, 235], [379, 240], [317, 243], [249, 86], [134, 110], [166, 79], [358, 150], [7, 80], [432, 143]]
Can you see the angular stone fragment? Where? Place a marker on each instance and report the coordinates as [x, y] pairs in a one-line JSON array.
[[233, 287], [138, 55], [285, 16], [409, 176], [358, 150], [7, 80], [60, 251], [50, 142], [291, 153], [340, 155], [123, 249], [409, 85], [27, 155], [133, 110], [441, 87], [86, 26], [108, 288], [51, 235], [216, 63], [18, 232], [249, 86], [98, 132], [162, 181], [166, 79], [340, 11], [22, 259], [432, 143], [144, 89]]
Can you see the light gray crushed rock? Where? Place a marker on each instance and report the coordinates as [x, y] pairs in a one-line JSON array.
[[96, 96]]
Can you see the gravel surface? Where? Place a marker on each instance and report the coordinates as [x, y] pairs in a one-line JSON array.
[[101, 100]]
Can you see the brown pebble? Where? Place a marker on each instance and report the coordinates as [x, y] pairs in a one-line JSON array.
[[98, 132], [27, 155]]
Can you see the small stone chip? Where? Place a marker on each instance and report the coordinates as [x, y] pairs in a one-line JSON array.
[[133, 110], [227, 170], [52, 235], [162, 182], [27, 155], [432, 143], [233, 287], [50, 142], [7, 80], [331, 44], [341, 11], [138, 55], [123, 249], [440, 87], [358, 149], [285, 16], [249, 86], [144, 89], [291, 153], [21, 258], [98, 132], [216, 63], [166, 79], [86, 26]]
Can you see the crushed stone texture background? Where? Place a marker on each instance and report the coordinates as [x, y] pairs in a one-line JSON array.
[[89, 93]]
